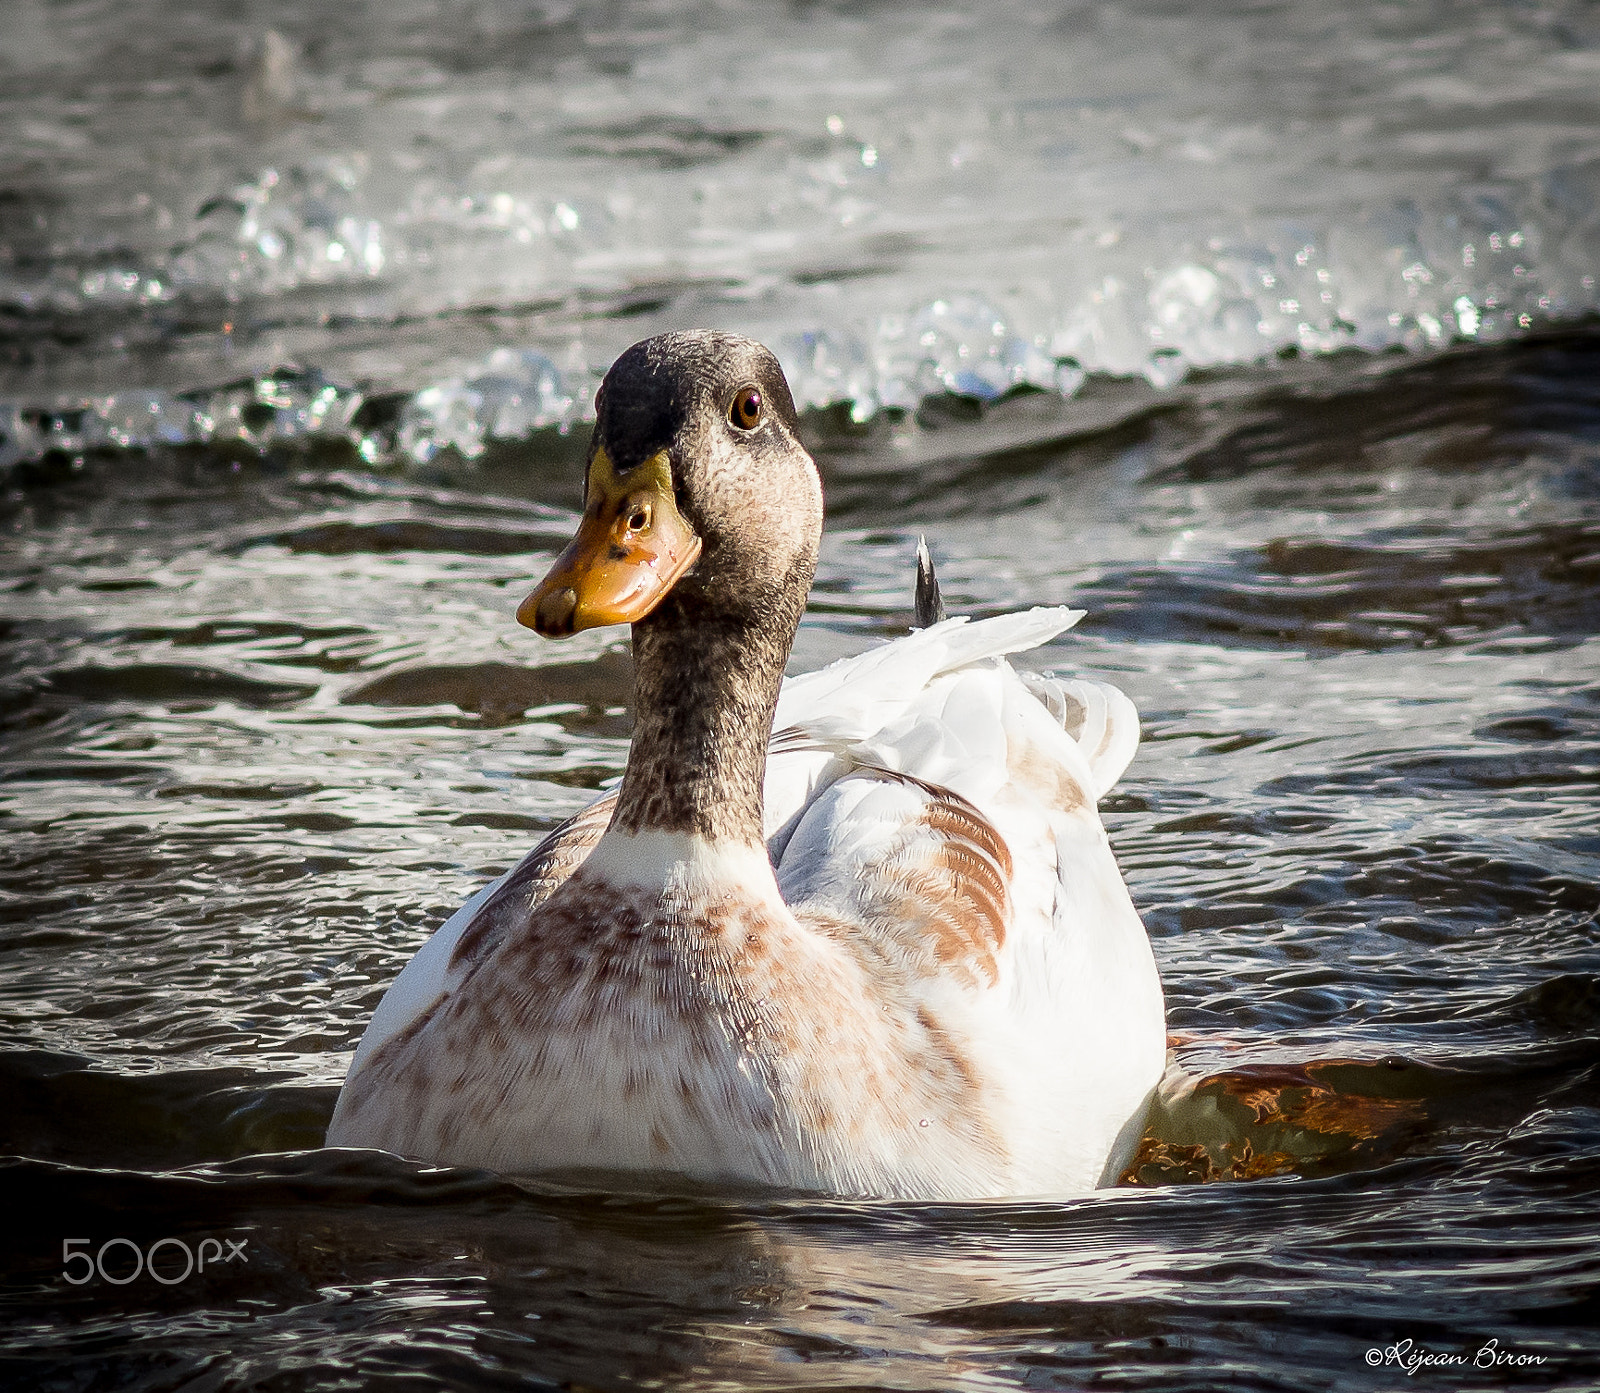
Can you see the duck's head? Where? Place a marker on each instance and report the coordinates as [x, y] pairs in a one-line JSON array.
[[697, 485]]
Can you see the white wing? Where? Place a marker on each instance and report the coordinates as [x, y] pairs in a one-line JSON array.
[[962, 840], [855, 696]]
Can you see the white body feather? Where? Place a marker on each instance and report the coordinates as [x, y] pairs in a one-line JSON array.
[[1059, 1032]]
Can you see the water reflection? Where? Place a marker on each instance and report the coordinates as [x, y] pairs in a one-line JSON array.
[[479, 1279]]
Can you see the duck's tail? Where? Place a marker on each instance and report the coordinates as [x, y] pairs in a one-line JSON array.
[[929, 604]]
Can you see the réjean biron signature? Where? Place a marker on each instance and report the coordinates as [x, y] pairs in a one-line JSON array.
[[1410, 1356]]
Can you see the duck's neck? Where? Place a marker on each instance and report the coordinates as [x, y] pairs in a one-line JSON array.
[[706, 681]]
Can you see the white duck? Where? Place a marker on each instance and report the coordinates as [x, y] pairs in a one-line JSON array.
[[885, 950]]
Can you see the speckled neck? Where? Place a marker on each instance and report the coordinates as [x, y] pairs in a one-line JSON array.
[[706, 681]]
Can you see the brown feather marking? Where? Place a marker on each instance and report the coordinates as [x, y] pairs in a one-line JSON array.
[[1056, 786], [964, 888], [654, 964], [684, 992], [952, 814], [952, 1058], [942, 890], [978, 860], [892, 1065], [533, 881]]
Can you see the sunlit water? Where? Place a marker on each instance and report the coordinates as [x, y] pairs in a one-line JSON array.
[[266, 719]]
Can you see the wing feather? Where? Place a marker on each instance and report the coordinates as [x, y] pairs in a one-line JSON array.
[[915, 870], [1103, 721], [855, 696]]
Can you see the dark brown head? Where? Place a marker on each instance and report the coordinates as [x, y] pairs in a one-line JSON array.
[[697, 483]]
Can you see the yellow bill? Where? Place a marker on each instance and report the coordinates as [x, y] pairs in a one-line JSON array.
[[632, 546]]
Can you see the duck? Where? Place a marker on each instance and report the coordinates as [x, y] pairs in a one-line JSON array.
[[858, 932]]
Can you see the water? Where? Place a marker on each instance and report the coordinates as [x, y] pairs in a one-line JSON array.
[[268, 508]]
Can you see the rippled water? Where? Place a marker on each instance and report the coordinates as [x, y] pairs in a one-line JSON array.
[[265, 719]]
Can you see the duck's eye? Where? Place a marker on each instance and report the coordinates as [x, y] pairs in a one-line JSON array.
[[639, 519], [745, 413]]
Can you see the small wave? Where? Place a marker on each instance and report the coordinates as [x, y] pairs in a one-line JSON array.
[[502, 692], [950, 359], [166, 683], [513, 395]]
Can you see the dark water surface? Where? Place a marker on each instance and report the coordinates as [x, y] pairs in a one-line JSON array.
[[265, 719]]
